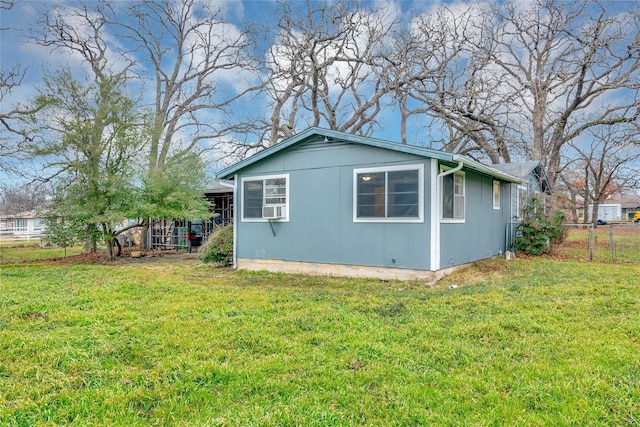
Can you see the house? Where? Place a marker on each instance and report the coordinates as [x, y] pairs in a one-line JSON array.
[[22, 226], [327, 202], [533, 181], [629, 203]]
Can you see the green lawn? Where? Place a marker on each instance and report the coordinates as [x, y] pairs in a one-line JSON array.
[[13, 252], [535, 342], [617, 243]]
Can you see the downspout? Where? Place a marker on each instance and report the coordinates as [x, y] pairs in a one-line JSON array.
[[235, 216], [442, 174]]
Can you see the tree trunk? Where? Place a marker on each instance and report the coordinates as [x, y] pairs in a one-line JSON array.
[[594, 213], [118, 247], [110, 254], [90, 244]]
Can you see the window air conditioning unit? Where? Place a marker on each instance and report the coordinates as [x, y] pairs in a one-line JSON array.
[[273, 212]]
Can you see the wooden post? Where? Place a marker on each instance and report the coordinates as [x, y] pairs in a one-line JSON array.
[[611, 241], [592, 241]]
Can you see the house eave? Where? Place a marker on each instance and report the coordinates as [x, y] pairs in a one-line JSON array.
[[332, 135], [487, 170]]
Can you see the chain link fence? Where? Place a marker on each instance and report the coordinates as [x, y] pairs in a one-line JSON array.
[[618, 243]]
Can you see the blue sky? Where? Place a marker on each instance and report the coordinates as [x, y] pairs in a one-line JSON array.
[[14, 50]]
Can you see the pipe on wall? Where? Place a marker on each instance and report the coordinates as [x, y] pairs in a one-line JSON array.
[[439, 208]]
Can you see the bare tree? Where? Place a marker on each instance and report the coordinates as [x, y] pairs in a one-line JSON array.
[[14, 131], [190, 62], [457, 90], [197, 66], [610, 161], [571, 66], [179, 48], [325, 65], [21, 198], [522, 79]]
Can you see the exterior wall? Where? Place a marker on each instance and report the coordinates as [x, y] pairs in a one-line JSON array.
[[321, 228], [513, 202], [21, 228], [532, 186], [483, 233]]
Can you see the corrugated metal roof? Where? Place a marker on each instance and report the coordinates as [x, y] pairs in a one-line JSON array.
[[218, 186]]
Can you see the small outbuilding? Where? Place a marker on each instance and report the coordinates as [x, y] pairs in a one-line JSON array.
[[327, 202]]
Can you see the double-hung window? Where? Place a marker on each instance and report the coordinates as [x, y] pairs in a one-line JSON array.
[[523, 195], [453, 197], [393, 193], [496, 194], [265, 197]]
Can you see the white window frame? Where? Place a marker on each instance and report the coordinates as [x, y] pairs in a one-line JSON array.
[[263, 178], [520, 189], [39, 224], [464, 197], [420, 218], [20, 225], [496, 195]]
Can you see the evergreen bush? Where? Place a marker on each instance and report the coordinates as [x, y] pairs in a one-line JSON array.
[[538, 230], [219, 248]]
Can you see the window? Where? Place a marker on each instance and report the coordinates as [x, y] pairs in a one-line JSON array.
[[496, 194], [258, 192], [20, 224], [39, 224], [523, 195], [389, 194], [453, 197]]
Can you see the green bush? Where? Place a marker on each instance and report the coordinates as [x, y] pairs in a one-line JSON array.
[[219, 248], [538, 230]]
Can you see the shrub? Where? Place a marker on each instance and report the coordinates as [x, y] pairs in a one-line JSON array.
[[538, 230], [219, 248]]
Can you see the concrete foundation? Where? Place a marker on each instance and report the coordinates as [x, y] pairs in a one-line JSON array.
[[320, 269]]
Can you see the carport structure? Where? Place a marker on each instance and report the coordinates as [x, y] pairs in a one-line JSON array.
[[174, 234]]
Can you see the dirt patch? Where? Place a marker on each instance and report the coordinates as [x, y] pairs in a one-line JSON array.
[[149, 256], [154, 256], [477, 272]]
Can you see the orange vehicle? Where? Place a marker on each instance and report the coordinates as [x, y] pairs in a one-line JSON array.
[[636, 217]]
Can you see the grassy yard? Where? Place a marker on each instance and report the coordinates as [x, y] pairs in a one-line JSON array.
[[13, 252], [531, 342], [616, 243]]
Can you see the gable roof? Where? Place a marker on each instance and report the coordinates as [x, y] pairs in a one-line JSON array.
[[627, 201], [315, 134], [522, 169]]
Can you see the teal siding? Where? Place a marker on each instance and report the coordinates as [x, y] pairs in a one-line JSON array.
[[533, 185], [483, 233], [321, 227]]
